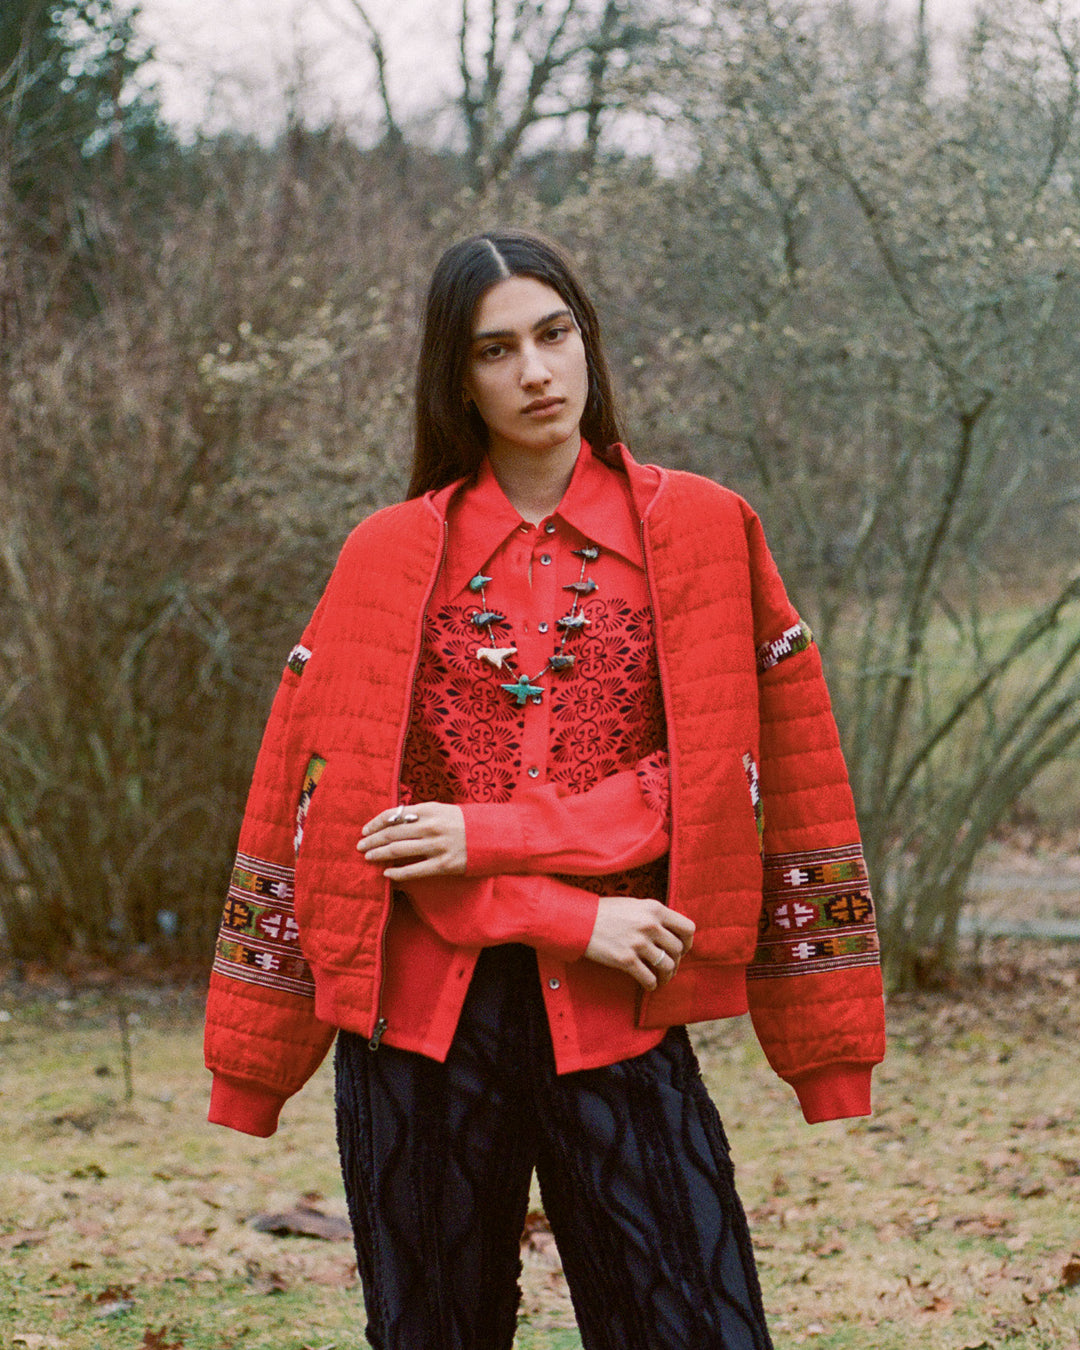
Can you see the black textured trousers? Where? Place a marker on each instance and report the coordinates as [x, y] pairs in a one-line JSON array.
[[634, 1172]]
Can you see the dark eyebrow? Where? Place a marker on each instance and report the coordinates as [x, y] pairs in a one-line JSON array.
[[490, 334]]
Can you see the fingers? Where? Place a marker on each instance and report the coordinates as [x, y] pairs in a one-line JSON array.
[[664, 967], [428, 839], [643, 938], [385, 820]]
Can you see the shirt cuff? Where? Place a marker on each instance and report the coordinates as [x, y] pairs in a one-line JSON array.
[[564, 916], [244, 1107], [835, 1092], [494, 838]]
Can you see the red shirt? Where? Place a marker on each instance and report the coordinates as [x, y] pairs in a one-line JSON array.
[[564, 794]]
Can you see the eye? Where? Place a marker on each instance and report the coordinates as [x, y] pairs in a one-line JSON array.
[[557, 332], [491, 352]]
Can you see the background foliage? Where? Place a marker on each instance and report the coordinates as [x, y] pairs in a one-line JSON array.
[[845, 282]]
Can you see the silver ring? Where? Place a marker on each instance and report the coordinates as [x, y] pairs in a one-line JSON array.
[[397, 817]]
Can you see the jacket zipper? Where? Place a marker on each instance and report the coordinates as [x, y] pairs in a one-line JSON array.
[[379, 1029], [665, 691]]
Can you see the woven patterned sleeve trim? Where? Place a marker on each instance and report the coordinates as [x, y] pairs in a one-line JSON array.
[[817, 914], [790, 642], [753, 785], [312, 774], [258, 942], [298, 659]]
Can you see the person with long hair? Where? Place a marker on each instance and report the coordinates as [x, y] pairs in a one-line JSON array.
[[551, 773]]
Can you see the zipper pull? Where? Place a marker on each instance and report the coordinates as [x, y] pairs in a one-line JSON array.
[[377, 1035]]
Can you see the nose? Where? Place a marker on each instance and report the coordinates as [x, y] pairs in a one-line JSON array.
[[534, 369]]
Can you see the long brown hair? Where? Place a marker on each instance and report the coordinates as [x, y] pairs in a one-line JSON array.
[[451, 439]]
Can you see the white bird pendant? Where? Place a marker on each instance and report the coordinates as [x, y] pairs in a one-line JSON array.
[[495, 656]]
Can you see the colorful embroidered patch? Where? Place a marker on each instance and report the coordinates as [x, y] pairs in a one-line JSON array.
[[312, 774], [298, 659], [791, 641], [259, 939], [753, 782], [817, 914]]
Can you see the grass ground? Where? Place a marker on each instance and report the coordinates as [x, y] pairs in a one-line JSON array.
[[946, 1222]]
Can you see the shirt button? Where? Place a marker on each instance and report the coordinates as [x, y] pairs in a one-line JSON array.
[[534, 772], [549, 528], [542, 627], [545, 559], [554, 983]]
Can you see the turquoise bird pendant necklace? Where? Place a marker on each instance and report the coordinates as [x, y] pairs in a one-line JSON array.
[[523, 689]]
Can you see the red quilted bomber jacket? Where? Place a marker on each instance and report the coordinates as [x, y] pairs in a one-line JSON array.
[[765, 854]]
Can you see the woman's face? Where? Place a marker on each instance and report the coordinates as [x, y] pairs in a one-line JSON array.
[[526, 371]]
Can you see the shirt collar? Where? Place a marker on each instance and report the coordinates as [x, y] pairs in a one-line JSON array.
[[597, 504]]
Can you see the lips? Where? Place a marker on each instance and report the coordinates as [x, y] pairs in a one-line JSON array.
[[539, 406]]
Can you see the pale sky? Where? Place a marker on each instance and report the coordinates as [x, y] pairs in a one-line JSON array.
[[227, 64], [224, 63]]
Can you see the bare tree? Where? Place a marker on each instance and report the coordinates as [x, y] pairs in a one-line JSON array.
[[912, 311], [372, 38], [527, 65]]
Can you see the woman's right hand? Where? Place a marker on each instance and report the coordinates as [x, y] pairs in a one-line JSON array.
[[644, 938]]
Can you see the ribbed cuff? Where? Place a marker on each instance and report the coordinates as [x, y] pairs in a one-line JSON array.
[[244, 1107], [835, 1092]]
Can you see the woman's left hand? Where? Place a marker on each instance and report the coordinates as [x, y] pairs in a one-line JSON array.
[[426, 840]]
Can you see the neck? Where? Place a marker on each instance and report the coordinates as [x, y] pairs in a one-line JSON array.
[[534, 483]]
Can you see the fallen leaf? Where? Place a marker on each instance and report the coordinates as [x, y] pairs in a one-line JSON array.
[[194, 1237], [89, 1172], [304, 1221], [155, 1340], [23, 1237], [112, 1293], [939, 1304], [341, 1275], [538, 1239], [115, 1309], [986, 1225], [1070, 1274], [270, 1282]]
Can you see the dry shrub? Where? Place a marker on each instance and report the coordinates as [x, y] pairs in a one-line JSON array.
[[179, 469]]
